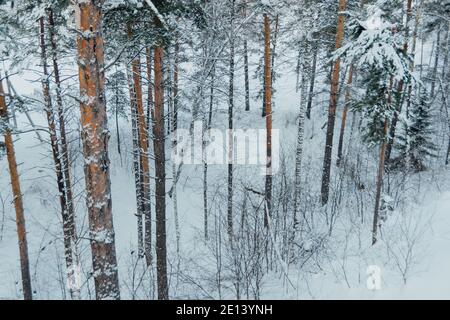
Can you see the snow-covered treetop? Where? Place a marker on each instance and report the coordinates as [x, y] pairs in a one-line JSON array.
[[377, 44]]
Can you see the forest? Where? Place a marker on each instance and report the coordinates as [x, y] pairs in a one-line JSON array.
[[224, 149]]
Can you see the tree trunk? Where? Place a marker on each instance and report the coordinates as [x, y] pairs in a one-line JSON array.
[[160, 171], [205, 164], [136, 164], [67, 214], [272, 61], [95, 136], [144, 171], [381, 169], [413, 55], [297, 69], [344, 115], [306, 65], [230, 127], [174, 125], [116, 115], [268, 108], [446, 55], [17, 196], [272, 58], [148, 56], [247, 78], [436, 63], [379, 185], [325, 189], [312, 80], [13, 111]]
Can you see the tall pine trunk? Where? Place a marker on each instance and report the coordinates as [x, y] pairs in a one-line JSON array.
[[230, 128], [312, 80], [379, 184], [95, 136], [413, 54], [17, 196], [272, 62], [160, 172], [67, 215], [436, 63], [148, 56], [381, 169], [246, 75], [205, 164], [268, 112], [136, 164], [144, 171], [174, 123], [116, 116], [325, 189], [306, 74], [344, 116]]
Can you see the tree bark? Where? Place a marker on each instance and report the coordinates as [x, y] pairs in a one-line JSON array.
[[272, 56], [413, 55], [268, 108], [144, 171], [381, 169], [148, 55], [246, 75], [205, 164], [344, 115], [379, 185], [312, 80], [17, 196], [160, 171], [436, 63], [136, 164], [325, 189], [116, 115], [306, 65], [174, 124], [230, 128], [95, 136], [64, 185]]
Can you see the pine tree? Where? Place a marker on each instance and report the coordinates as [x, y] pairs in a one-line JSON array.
[[160, 172], [378, 109], [95, 137], [400, 85], [415, 143], [325, 189], [63, 183], [17, 196], [246, 75], [144, 168], [268, 109], [380, 56], [230, 123]]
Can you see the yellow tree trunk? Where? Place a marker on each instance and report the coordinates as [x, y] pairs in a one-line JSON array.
[[332, 107], [17, 194], [95, 136]]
